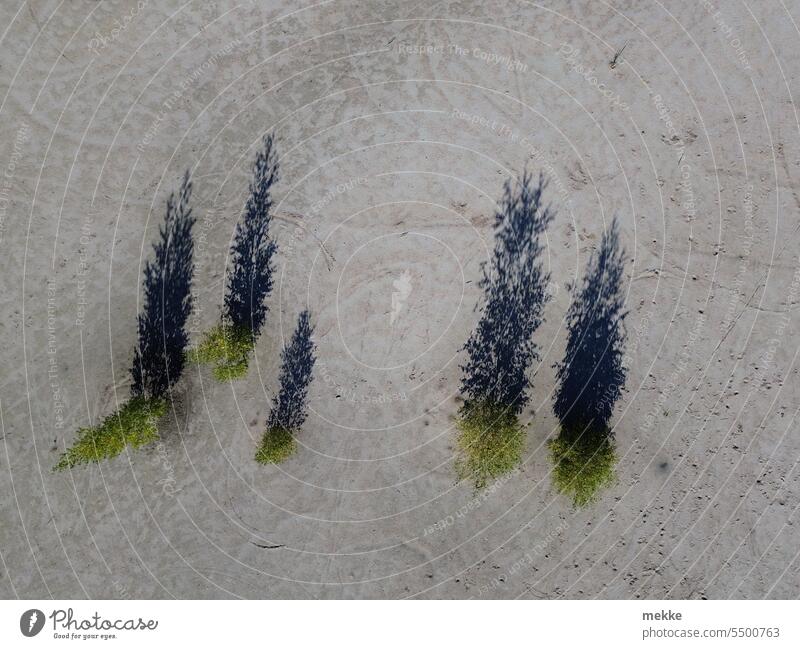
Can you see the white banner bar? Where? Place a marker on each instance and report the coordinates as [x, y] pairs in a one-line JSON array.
[[379, 624]]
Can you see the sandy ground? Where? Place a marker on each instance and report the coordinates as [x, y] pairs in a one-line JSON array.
[[397, 125]]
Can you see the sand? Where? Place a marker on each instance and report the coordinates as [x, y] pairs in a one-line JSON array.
[[397, 125]]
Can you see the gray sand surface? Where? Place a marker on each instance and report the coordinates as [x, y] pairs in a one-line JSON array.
[[397, 124]]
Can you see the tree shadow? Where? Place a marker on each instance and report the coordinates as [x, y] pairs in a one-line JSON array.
[[501, 349], [289, 408], [592, 376], [159, 357], [250, 279]]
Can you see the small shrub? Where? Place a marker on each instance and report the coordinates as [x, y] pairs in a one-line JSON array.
[[227, 348], [276, 445], [490, 440], [582, 467], [134, 425]]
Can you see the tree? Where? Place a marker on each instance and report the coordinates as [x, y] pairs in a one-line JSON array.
[[501, 348], [228, 345], [289, 408], [159, 355], [592, 376]]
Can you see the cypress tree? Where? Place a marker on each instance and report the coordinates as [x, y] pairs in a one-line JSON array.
[[250, 281], [501, 348], [162, 338], [591, 377], [289, 408]]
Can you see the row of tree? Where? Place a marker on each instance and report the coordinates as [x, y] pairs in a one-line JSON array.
[[501, 350], [161, 352]]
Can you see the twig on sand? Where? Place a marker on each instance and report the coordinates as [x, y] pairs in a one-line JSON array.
[[617, 54], [267, 547]]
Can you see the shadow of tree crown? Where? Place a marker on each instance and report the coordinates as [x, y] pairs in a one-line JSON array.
[[250, 279], [162, 336], [289, 408], [591, 377], [500, 349]]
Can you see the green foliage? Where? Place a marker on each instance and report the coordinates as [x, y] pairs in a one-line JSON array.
[[582, 467], [490, 440], [227, 347], [276, 445], [134, 425]]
